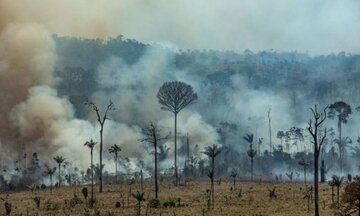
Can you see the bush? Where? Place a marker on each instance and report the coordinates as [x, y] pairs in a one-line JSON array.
[[37, 201], [74, 201], [169, 204], [51, 206], [8, 208], [117, 204], [85, 192], [154, 203]]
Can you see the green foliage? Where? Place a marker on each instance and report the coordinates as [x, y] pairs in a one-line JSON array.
[[272, 193], [51, 206], [75, 201], [86, 212], [169, 203], [8, 207], [84, 191], [154, 203], [37, 201]]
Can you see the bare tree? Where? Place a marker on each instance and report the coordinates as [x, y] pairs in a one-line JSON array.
[[59, 160], [115, 149], [152, 135], [269, 118], [317, 140], [91, 145], [212, 152], [233, 175], [175, 96], [305, 164], [101, 120]]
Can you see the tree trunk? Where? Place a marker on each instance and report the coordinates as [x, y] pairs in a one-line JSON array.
[[51, 184], [341, 147], [101, 147], [142, 180], [92, 180], [212, 181], [59, 176], [234, 183], [305, 174], [316, 179], [156, 171], [252, 168], [270, 130], [332, 194], [175, 151], [116, 170], [337, 195]]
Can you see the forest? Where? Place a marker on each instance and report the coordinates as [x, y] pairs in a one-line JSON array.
[[134, 108]]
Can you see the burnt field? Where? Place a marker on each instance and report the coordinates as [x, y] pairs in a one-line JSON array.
[[190, 199]]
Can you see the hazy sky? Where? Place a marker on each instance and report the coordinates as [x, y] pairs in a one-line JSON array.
[[316, 26]]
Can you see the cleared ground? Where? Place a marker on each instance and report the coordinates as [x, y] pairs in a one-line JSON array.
[[246, 199]]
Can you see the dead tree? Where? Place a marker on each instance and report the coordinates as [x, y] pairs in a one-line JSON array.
[[317, 140], [304, 163], [269, 118], [152, 135], [101, 120], [175, 96]]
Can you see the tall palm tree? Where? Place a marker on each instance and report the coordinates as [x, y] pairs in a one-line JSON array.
[[91, 145], [212, 152], [251, 152], [340, 111], [337, 181], [59, 160], [115, 149], [50, 172]]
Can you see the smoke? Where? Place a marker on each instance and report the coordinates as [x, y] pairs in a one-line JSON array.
[[204, 24], [34, 118], [134, 88]]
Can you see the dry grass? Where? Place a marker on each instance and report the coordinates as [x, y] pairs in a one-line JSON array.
[[254, 200]]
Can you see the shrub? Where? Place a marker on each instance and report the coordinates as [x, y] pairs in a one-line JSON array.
[[51, 206], [272, 193], [154, 203], [37, 201], [85, 192], [8, 207], [74, 201], [117, 204], [169, 203]]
